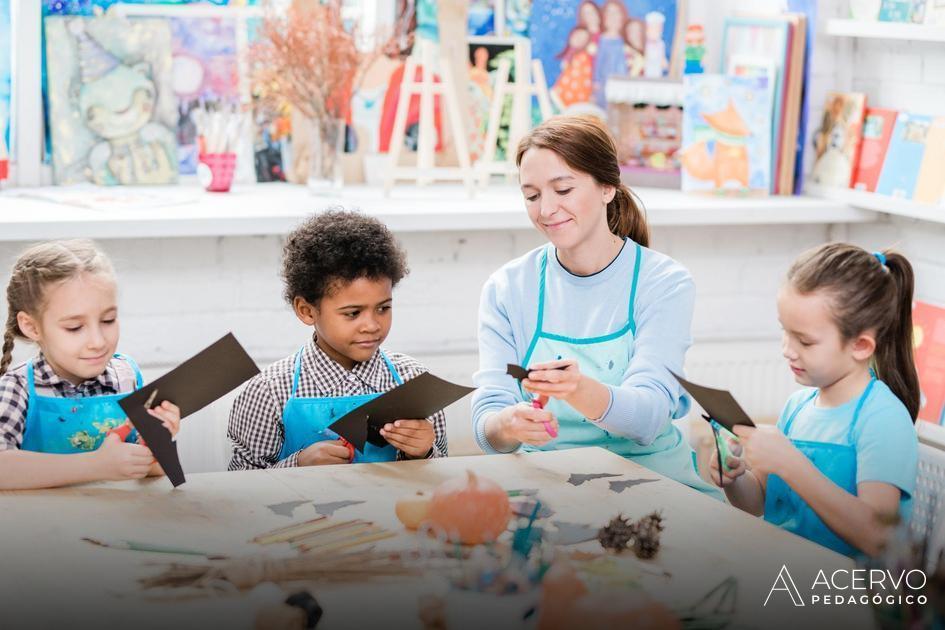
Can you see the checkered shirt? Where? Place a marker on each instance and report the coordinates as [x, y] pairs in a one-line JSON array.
[[255, 426], [14, 394]]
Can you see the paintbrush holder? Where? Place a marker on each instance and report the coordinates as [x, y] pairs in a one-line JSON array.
[[216, 171]]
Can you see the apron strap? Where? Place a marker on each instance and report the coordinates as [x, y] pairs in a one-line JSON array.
[[391, 368], [139, 380], [296, 373], [633, 290], [859, 406], [787, 425], [30, 380], [542, 270]]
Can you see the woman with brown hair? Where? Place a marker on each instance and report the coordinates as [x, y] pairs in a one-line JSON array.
[[597, 318]]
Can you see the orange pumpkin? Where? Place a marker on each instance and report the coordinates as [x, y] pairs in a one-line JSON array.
[[471, 511]]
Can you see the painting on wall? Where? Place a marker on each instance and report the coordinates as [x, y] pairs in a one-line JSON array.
[[581, 43], [113, 113]]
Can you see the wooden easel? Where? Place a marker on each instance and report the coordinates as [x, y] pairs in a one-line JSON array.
[[426, 171], [529, 81]]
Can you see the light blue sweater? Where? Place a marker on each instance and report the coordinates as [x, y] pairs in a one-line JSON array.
[[590, 306]]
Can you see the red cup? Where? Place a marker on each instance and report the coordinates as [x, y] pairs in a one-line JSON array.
[[216, 171]]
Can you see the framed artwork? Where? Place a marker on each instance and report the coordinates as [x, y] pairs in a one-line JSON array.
[[581, 43], [113, 112]]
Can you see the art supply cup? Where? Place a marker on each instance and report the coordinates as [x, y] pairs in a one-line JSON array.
[[216, 171]]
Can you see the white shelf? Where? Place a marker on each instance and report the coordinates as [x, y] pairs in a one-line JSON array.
[[269, 209], [886, 30], [880, 203]]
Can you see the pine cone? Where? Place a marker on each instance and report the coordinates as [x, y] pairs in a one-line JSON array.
[[646, 535], [617, 534]]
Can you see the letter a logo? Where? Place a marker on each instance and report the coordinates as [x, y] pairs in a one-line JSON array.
[[786, 584]]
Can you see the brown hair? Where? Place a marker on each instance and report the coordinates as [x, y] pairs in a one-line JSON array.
[[868, 294], [37, 268], [585, 144]]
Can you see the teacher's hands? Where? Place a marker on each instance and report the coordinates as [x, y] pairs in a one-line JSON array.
[[524, 424], [556, 379]]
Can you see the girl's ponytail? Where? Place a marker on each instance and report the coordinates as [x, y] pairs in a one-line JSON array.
[[627, 218], [895, 361]]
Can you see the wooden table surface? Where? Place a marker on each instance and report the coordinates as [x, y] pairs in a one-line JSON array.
[[49, 577]]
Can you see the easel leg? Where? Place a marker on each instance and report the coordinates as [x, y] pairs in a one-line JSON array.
[[400, 124], [426, 144], [456, 125], [495, 117]]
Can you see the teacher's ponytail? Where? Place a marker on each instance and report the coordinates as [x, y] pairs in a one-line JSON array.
[[585, 144], [627, 218]]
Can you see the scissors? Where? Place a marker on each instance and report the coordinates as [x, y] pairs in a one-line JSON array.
[[722, 437]]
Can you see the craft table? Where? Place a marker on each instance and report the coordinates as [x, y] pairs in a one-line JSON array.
[[49, 577]]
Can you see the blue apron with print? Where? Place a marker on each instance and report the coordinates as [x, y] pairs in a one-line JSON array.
[[72, 425]]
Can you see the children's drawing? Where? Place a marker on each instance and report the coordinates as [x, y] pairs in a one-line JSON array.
[[726, 140]]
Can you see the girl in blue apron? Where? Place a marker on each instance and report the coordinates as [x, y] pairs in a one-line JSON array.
[[340, 269], [597, 317], [841, 464], [60, 421]]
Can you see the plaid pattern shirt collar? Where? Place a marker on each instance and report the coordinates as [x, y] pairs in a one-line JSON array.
[[45, 376], [334, 377]]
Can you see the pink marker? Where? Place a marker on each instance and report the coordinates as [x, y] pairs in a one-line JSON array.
[[537, 405]]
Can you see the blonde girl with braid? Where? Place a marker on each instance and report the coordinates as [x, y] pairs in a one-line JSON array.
[[59, 410]]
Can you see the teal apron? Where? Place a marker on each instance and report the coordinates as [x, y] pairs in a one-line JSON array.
[[72, 425], [606, 360], [785, 508], [306, 420]]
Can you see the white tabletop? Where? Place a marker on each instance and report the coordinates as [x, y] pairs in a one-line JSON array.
[[49, 577]]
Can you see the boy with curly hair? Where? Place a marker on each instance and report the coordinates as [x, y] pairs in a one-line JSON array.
[[339, 270]]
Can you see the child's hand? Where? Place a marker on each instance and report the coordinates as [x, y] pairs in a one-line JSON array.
[[556, 379], [325, 453], [169, 415], [413, 437], [766, 449], [121, 460], [734, 462], [525, 424]]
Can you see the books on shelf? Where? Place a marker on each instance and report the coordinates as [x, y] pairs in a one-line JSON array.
[[931, 12], [901, 154], [930, 185], [773, 46], [904, 156], [877, 130], [837, 141]]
